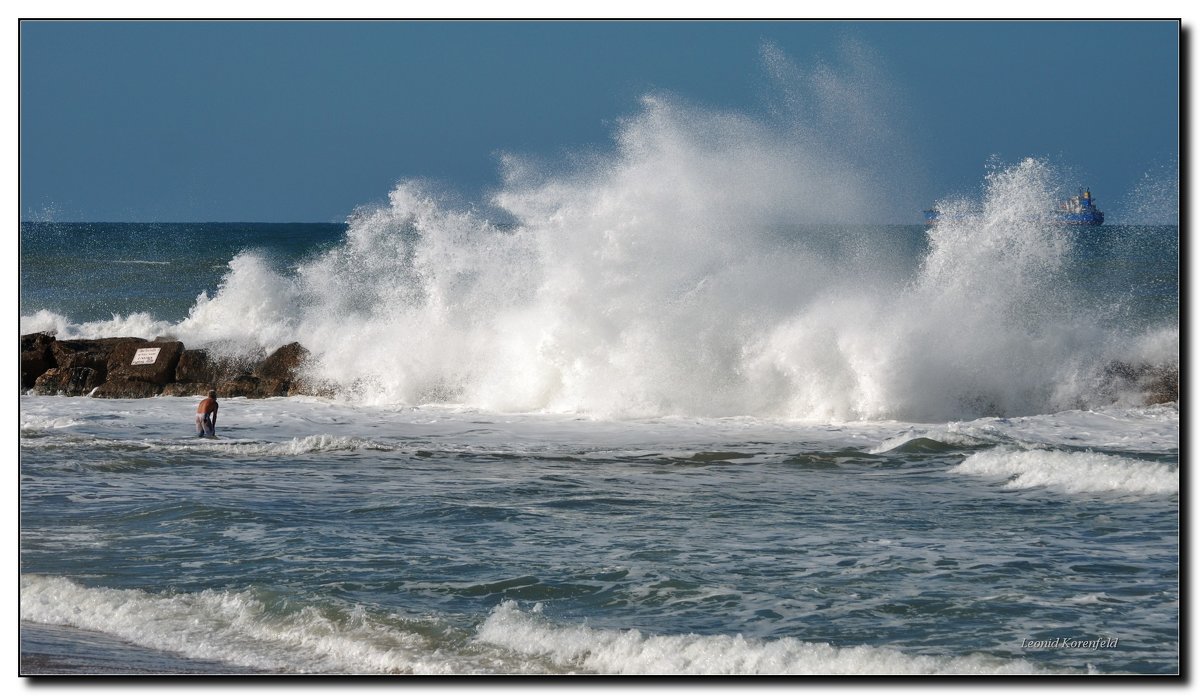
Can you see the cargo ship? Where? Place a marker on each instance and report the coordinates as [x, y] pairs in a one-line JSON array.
[[1076, 210], [1080, 210]]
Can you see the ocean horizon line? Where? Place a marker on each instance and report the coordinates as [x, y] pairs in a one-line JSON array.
[[181, 222], [346, 222]]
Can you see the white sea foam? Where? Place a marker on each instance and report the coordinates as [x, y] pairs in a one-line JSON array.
[[285, 427], [44, 321], [297, 446], [241, 628], [258, 308], [31, 422], [235, 627], [309, 444], [1140, 429], [137, 324], [1072, 472], [630, 652]]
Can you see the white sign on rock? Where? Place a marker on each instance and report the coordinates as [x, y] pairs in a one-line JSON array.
[[145, 356]]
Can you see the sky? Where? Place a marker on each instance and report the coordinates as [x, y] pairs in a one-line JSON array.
[[239, 121]]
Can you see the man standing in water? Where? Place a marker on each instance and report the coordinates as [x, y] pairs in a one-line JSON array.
[[206, 416]]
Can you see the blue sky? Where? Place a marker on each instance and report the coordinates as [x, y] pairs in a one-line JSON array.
[[305, 121]]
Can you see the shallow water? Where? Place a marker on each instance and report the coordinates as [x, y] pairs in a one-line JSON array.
[[324, 537]]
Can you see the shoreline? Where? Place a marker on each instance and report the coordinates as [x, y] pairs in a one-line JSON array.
[[56, 650]]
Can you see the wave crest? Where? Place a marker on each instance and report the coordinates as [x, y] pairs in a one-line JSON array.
[[1072, 472], [632, 652]]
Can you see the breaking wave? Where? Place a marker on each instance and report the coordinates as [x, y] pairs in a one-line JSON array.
[[617, 297], [252, 628], [630, 652], [713, 263], [1072, 472]]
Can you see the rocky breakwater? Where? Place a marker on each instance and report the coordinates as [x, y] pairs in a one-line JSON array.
[[1155, 384], [129, 368]]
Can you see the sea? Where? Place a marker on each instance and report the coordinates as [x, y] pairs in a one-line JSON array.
[[615, 424]]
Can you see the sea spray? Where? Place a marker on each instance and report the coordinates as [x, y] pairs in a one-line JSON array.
[[656, 285], [986, 328], [1154, 199], [714, 263], [257, 309], [139, 324]]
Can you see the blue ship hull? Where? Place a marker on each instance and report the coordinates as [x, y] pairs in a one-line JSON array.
[[1091, 218]]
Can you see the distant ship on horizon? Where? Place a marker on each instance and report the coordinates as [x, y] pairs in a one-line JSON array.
[[1076, 210]]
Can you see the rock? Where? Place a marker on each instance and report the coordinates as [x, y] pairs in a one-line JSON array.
[[68, 381], [187, 389], [241, 385], [126, 388], [193, 366], [77, 367], [159, 372], [37, 356], [303, 386], [200, 365], [252, 387], [234, 377], [80, 365], [93, 354], [1157, 384], [1120, 370], [284, 363], [1162, 385], [272, 386]]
